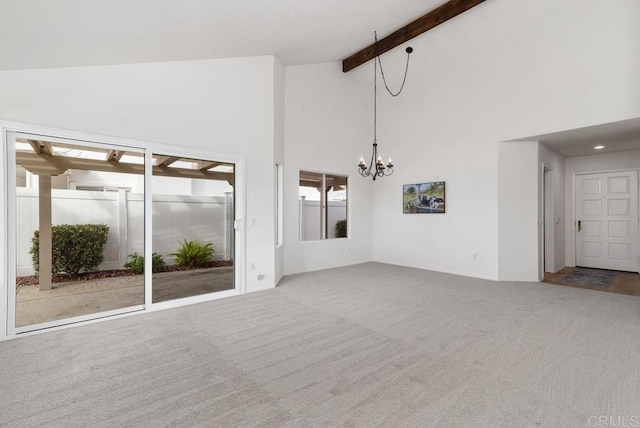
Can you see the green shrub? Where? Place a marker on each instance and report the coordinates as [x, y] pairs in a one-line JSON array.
[[193, 254], [74, 247], [136, 263], [341, 229]]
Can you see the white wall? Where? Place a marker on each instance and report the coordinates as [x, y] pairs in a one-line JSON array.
[[218, 105], [586, 164], [518, 219], [554, 162], [327, 127], [502, 71], [278, 139]]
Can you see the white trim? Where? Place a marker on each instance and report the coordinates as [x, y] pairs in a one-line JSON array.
[[97, 143], [148, 227], [77, 320], [4, 280], [279, 205], [7, 183], [549, 222], [10, 245], [606, 171], [176, 303], [324, 206], [239, 204], [572, 263], [541, 222], [263, 288], [349, 223]]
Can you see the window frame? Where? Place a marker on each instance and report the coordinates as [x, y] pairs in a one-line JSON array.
[[324, 205]]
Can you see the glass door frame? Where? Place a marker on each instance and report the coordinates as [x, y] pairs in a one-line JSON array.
[[11, 235], [238, 204], [8, 132]]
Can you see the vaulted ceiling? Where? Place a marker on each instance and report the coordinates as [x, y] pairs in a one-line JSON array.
[[63, 33]]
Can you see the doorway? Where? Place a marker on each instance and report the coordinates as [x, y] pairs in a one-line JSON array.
[[606, 220]]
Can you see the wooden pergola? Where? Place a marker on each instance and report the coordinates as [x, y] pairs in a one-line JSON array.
[[46, 159]]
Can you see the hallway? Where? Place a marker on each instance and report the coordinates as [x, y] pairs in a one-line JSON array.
[[622, 283]]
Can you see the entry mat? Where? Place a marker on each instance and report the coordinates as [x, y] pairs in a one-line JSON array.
[[600, 278]]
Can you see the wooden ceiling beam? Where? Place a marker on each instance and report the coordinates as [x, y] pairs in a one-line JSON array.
[[41, 147], [115, 155], [205, 165], [310, 183], [167, 161], [437, 16]]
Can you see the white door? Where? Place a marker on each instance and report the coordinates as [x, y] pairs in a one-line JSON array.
[[607, 220]]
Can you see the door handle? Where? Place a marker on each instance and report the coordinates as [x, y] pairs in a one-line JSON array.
[[579, 225]]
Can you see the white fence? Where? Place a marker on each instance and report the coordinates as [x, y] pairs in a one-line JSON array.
[[311, 221], [175, 218]]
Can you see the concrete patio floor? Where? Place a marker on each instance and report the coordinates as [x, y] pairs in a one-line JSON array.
[[72, 299]]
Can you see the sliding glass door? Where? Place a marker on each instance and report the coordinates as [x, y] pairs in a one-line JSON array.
[[81, 220], [193, 233], [73, 223]]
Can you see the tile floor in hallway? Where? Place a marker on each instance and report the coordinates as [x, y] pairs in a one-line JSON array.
[[624, 282]]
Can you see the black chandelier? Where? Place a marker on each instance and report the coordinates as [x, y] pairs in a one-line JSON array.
[[376, 167]]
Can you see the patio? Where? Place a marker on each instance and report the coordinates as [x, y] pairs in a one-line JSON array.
[[72, 299]]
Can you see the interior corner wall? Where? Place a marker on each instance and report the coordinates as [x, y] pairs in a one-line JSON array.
[[518, 190], [588, 164], [504, 70], [327, 128], [554, 162], [219, 105]]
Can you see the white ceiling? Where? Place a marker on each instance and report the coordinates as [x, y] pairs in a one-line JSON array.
[[63, 33], [616, 137]]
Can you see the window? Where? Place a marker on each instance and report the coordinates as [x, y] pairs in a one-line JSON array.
[[322, 206], [98, 188], [279, 204]]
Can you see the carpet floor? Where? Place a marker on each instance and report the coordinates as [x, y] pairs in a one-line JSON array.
[[359, 346]]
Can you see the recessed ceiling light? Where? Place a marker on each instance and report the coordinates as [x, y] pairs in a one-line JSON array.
[[598, 147]]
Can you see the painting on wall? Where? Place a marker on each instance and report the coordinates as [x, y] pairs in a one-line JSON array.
[[423, 198]]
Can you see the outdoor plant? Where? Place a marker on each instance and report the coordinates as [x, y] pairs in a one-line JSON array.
[[135, 262], [75, 247], [341, 229], [193, 254]]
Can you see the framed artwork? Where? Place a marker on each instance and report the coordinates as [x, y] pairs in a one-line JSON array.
[[423, 198]]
